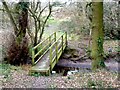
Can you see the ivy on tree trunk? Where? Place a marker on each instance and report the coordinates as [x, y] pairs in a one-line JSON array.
[[22, 19], [97, 35]]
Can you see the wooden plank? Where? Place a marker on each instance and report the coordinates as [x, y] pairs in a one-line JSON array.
[[54, 59], [42, 56], [59, 45], [43, 41], [50, 58], [41, 71], [33, 69], [66, 37], [33, 59], [56, 51], [64, 47], [53, 64], [62, 43], [59, 53], [55, 36], [45, 51], [42, 50]]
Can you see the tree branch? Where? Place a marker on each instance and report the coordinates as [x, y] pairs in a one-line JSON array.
[[33, 14], [42, 11], [43, 26], [36, 6], [11, 17]]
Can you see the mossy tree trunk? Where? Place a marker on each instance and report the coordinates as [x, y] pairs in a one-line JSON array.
[[18, 52], [10, 16], [97, 35], [22, 19]]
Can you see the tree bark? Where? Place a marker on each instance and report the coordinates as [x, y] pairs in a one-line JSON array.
[[10, 16], [36, 14], [97, 35], [22, 20]]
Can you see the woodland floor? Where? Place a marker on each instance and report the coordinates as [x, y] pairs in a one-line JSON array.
[[18, 77]]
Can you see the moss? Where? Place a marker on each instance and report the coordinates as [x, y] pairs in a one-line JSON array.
[[97, 36]]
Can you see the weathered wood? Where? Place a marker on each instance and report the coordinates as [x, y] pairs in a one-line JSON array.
[[66, 37], [62, 43], [54, 36], [50, 58], [43, 41], [56, 52], [42, 56], [33, 54], [56, 48], [41, 50]]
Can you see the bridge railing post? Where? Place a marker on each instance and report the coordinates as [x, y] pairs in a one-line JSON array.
[[33, 55], [62, 43], [50, 40], [66, 38], [50, 57], [55, 36], [56, 51]]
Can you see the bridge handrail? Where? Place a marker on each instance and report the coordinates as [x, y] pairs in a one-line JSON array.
[[34, 55], [51, 57], [43, 41], [48, 49], [35, 47]]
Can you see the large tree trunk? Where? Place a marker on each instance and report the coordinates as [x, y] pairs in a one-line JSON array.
[[22, 20], [10, 16], [97, 35], [18, 51]]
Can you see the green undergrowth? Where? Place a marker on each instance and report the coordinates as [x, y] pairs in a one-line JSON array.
[[5, 72], [73, 37], [6, 69], [51, 20], [35, 74], [95, 84], [48, 33]]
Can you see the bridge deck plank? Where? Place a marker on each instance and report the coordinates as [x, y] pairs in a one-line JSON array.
[[43, 64]]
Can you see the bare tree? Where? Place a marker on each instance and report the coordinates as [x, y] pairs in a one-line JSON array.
[[20, 29], [36, 12]]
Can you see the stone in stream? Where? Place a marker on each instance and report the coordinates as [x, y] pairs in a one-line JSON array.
[[110, 49], [72, 72], [66, 56], [53, 72], [74, 59]]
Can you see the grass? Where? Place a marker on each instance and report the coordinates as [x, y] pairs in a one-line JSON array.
[[73, 37], [53, 21], [5, 69], [35, 74], [48, 33], [95, 84], [52, 87]]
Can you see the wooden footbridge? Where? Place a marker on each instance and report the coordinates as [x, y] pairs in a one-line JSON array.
[[47, 53]]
